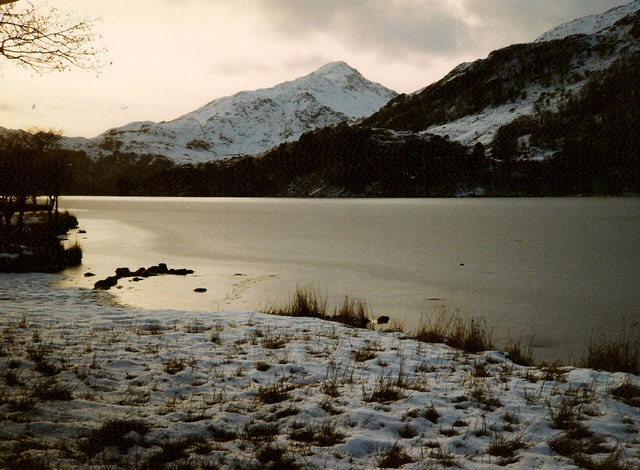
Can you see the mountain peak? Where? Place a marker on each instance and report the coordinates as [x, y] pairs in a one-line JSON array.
[[338, 67], [337, 72], [252, 122]]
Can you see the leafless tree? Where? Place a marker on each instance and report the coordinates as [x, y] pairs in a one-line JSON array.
[[43, 38]]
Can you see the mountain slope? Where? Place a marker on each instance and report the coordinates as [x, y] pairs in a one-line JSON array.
[[250, 122], [475, 99]]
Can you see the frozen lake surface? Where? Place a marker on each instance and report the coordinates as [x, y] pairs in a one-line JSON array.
[[555, 270]]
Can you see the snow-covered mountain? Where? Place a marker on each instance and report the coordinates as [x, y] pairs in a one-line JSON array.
[[475, 99], [249, 122], [592, 24]]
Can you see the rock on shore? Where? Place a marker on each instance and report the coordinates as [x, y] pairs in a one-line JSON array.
[[139, 274]]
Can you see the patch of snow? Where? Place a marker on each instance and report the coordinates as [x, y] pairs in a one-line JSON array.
[[481, 127], [259, 378], [478, 191]]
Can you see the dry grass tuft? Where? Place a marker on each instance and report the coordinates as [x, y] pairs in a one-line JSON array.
[[385, 391], [174, 365], [394, 457], [307, 302], [274, 393], [521, 355], [505, 447], [620, 354], [326, 435], [275, 456], [352, 312], [469, 335], [113, 433], [628, 393], [50, 389]]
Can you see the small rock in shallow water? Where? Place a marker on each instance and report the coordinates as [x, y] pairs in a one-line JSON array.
[[159, 269], [180, 272], [106, 284], [200, 289], [123, 272], [89, 274]]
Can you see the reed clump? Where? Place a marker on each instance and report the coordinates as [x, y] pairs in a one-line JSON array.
[[307, 302], [470, 335], [621, 354]]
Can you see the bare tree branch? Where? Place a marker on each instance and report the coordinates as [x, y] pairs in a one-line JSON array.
[[44, 38]]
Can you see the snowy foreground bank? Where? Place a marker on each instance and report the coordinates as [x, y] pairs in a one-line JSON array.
[[87, 385]]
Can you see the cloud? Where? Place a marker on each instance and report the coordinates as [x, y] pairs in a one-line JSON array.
[[503, 22], [254, 66], [427, 28], [389, 27], [235, 68]]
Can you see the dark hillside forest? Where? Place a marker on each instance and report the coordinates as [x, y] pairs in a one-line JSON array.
[[350, 161], [595, 136]]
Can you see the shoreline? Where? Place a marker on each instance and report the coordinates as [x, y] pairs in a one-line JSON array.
[[520, 280], [38, 245], [133, 293], [619, 353]]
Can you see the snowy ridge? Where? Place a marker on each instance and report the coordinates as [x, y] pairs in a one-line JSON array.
[[590, 24], [482, 126], [476, 98], [251, 122]]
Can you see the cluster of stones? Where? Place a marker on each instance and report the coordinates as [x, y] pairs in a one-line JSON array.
[[138, 275]]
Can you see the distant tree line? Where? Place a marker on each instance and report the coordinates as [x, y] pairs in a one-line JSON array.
[[356, 161]]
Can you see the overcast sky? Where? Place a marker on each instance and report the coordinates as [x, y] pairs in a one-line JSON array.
[[170, 57]]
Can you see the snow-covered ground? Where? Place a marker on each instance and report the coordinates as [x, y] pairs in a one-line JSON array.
[[90, 385]]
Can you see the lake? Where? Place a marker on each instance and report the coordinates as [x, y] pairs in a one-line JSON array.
[[554, 271]]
